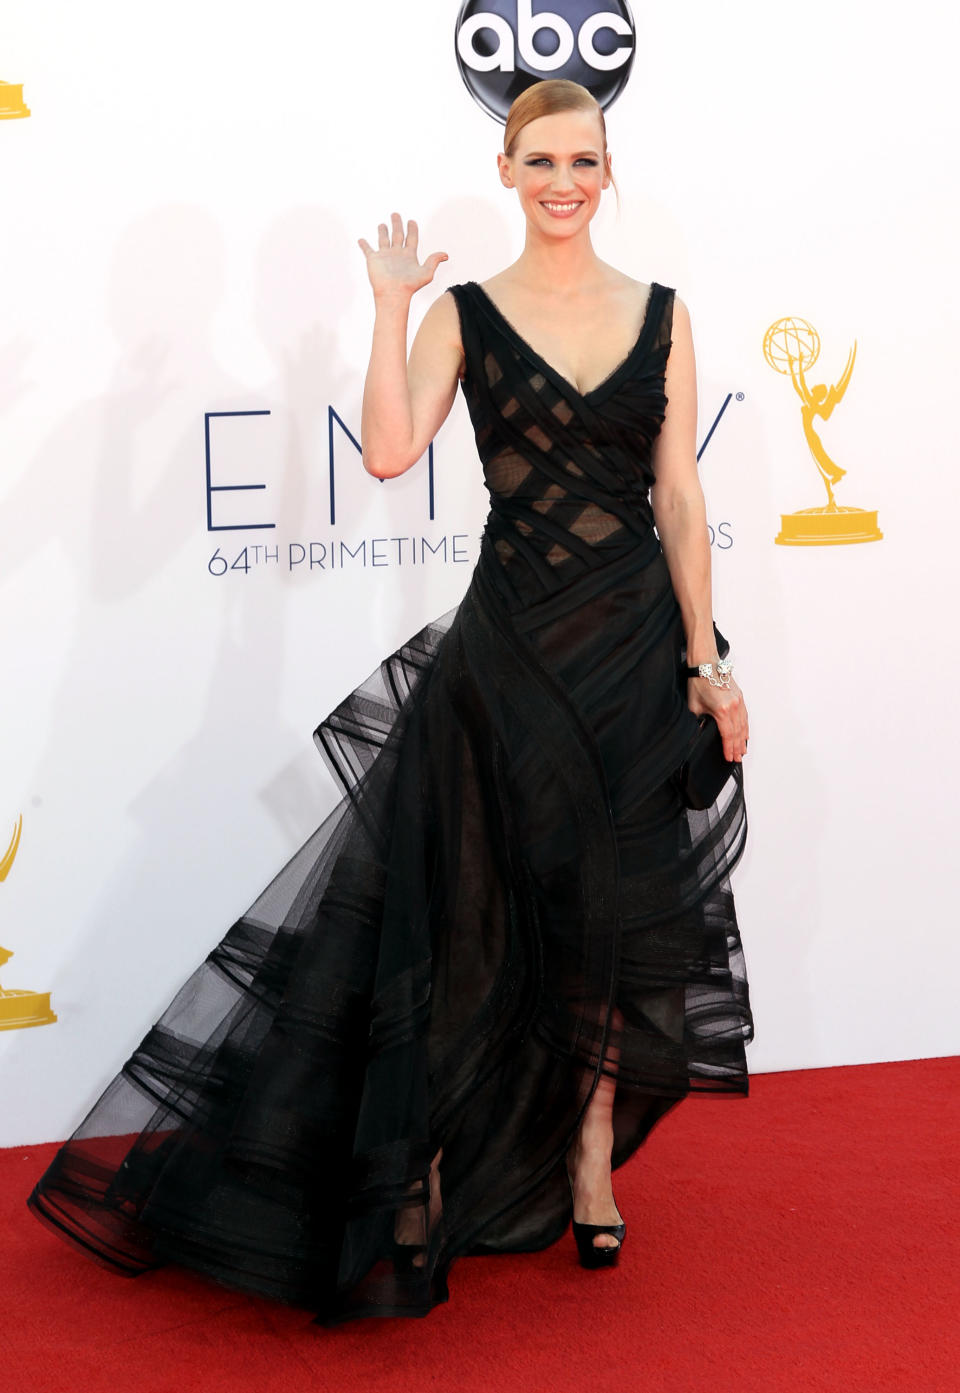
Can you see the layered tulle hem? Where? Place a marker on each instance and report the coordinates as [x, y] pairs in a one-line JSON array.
[[397, 1041]]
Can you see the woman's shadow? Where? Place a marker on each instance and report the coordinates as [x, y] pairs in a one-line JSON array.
[[108, 488]]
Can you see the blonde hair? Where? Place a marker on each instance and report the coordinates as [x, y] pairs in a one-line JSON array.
[[546, 98]]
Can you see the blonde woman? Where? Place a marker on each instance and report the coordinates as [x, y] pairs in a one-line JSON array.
[[513, 947]]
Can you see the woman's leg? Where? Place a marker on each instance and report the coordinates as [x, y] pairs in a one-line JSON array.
[[413, 1224], [589, 1156]]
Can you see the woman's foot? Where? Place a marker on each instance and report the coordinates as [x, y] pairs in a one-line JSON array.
[[588, 1168]]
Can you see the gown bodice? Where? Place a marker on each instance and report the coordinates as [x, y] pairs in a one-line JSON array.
[[568, 472]]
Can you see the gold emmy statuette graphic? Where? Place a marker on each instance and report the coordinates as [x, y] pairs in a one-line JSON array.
[[11, 101], [19, 1009], [793, 346]]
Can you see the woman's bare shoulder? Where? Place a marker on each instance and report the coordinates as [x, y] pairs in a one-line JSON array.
[[680, 308], [626, 288], [442, 318], [439, 339], [502, 280]]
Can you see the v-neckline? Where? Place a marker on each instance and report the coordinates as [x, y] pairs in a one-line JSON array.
[[605, 384]]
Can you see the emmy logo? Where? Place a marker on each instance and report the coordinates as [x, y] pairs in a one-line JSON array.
[[793, 346], [20, 1008], [11, 101]]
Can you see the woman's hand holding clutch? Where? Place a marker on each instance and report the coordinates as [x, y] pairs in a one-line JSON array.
[[728, 708]]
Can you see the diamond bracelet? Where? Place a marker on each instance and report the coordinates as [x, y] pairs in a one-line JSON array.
[[722, 678]]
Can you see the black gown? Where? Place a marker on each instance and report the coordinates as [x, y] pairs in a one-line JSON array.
[[509, 901]]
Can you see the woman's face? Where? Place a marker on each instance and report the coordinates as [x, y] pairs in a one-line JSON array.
[[557, 169]]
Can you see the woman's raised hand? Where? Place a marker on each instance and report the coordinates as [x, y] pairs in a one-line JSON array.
[[394, 267]]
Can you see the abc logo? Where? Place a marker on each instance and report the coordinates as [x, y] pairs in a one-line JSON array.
[[504, 46]]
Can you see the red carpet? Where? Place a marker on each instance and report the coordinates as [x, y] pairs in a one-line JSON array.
[[804, 1238]]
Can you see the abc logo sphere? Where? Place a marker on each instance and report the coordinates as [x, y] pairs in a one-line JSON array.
[[505, 46]]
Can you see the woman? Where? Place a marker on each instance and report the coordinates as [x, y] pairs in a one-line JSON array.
[[512, 948]]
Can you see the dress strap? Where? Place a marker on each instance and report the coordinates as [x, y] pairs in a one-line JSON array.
[[469, 336], [663, 336]]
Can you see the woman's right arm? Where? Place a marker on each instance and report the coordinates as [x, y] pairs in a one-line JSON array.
[[405, 403]]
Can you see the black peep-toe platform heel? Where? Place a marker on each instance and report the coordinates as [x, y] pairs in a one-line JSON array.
[[591, 1255]]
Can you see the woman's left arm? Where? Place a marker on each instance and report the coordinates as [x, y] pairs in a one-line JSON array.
[[680, 514]]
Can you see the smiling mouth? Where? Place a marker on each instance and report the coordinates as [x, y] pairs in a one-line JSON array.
[[561, 210]]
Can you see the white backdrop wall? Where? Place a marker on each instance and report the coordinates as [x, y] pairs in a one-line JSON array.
[[178, 234]]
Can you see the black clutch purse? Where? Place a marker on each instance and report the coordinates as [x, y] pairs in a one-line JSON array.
[[705, 771]]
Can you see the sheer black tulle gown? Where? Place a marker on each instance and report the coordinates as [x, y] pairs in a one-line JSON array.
[[509, 901]]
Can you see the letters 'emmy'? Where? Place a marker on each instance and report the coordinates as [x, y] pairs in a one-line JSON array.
[[793, 346], [20, 1008]]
